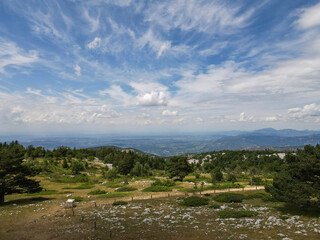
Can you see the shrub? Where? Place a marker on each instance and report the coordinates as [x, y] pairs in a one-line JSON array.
[[257, 195], [214, 206], [117, 203], [207, 195], [97, 192], [268, 198], [113, 195], [68, 179], [157, 189], [236, 214], [166, 183], [78, 199], [229, 197], [194, 201], [126, 189]]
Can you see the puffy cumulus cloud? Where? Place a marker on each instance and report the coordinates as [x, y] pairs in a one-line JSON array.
[[12, 55], [243, 118], [77, 70], [169, 113], [153, 98], [95, 43], [309, 110], [271, 119], [310, 17]]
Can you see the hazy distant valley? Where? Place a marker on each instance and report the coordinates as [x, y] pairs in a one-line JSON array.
[[188, 143]]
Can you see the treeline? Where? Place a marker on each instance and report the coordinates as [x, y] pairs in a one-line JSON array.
[[125, 161]]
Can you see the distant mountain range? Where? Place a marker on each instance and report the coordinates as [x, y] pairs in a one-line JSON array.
[[285, 139], [268, 138]]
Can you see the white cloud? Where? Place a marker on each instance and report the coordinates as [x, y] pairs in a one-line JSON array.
[[169, 113], [164, 47], [77, 70], [271, 119], [309, 110], [14, 56], [203, 16], [152, 99], [95, 43], [310, 17], [116, 93], [242, 117], [199, 120]]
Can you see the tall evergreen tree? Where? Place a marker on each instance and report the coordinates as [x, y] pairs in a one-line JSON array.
[[14, 174]]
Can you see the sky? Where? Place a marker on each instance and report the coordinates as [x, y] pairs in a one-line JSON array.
[[104, 66]]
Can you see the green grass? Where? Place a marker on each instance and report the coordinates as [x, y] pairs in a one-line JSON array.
[[117, 203], [194, 201], [97, 192], [157, 189], [229, 197], [114, 195], [166, 183], [68, 179], [126, 189], [236, 214], [43, 192], [113, 185], [83, 186]]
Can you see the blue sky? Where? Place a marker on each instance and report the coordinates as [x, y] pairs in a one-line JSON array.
[[104, 66]]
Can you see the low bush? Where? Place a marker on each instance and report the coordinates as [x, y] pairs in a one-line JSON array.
[[257, 195], [269, 198], [207, 195], [157, 189], [229, 197], [126, 189], [113, 195], [214, 206], [78, 199], [194, 201], [236, 214], [117, 203], [166, 183], [97, 192]]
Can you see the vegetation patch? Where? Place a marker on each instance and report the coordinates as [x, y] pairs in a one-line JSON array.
[[229, 197], [97, 192], [236, 214], [194, 201], [117, 203], [126, 189], [83, 186], [215, 206], [68, 179], [157, 189], [114, 195], [258, 195], [166, 183], [43, 192], [78, 199], [113, 185]]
